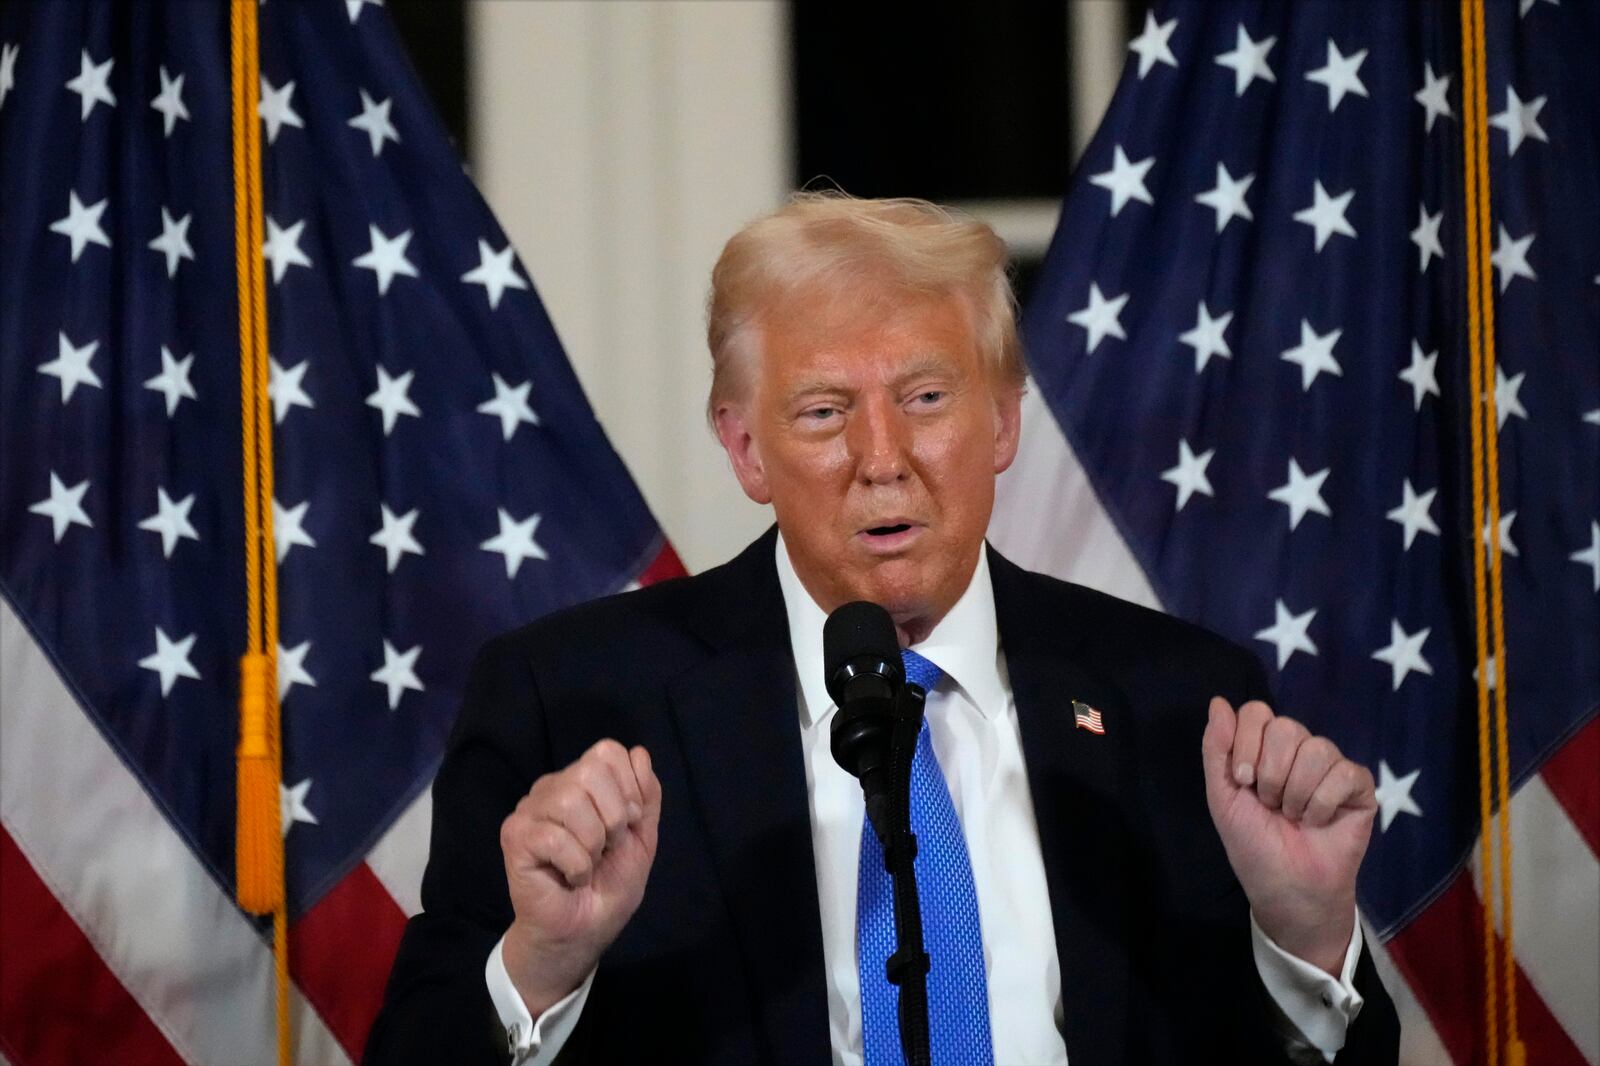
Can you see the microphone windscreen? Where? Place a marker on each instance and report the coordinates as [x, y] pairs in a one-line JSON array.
[[855, 631]]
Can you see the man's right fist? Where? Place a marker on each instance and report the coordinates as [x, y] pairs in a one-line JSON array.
[[577, 849]]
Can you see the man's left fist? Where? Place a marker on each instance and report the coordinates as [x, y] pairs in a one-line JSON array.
[[1294, 816]]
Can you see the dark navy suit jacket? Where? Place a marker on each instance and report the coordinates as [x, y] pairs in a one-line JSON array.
[[723, 960]]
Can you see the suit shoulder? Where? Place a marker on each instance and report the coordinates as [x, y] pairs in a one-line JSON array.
[[1117, 630], [615, 625]]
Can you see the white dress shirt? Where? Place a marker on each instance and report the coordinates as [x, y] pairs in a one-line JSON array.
[[972, 721]]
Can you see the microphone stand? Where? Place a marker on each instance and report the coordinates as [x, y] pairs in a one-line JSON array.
[[908, 967]]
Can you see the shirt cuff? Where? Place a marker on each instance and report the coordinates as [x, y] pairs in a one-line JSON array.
[[530, 1041], [1314, 1009]]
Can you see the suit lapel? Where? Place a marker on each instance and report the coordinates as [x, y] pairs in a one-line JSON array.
[[1075, 777], [736, 714]]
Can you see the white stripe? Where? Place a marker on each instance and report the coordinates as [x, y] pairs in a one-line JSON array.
[[1419, 1040], [401, 853], [1555, 895], [1048, 518], [117, 867]]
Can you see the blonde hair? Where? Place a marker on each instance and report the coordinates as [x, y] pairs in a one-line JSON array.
[[836, 242]]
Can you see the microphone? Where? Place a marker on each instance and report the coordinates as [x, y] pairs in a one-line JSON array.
[[861, 654]]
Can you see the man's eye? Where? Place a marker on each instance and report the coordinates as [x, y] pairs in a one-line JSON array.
[[931, 396], [821, 414]]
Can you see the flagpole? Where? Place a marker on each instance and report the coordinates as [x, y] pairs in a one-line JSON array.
[[259, 858]]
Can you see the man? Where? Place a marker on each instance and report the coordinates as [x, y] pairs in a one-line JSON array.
[[642, 850]]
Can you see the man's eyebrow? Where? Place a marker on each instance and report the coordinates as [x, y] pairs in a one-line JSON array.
[[926, 365]]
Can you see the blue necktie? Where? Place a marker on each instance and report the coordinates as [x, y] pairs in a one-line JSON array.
[[958, 992]]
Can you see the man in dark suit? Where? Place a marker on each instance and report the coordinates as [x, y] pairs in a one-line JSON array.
[[641, 851]]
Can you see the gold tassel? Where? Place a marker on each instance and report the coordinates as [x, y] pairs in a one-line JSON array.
[[259, 843]]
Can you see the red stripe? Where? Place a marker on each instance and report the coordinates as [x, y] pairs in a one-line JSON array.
[[665, 565], [340, 952], [1441, 955], [1573, 776], [59, 1003]]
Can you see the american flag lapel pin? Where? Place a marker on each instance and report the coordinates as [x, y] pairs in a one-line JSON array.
[[1086, 717]]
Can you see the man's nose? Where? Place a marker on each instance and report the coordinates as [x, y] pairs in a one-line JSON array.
[[881, 441]]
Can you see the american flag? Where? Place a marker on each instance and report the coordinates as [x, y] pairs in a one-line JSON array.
[[1087, 717], [1249, 352], [439, 477]]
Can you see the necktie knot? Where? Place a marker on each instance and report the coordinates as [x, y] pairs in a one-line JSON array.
[[920, 671]]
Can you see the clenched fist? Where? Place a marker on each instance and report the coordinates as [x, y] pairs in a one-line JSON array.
[[577, 849], [1294, 816]]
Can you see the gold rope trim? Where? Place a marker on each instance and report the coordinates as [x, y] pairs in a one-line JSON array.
[[1494, 790], [259, 864]]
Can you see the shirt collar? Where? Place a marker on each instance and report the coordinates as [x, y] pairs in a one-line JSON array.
[[965, 644]]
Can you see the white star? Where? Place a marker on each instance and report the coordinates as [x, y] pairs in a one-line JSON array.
[[1125, 180], [391, 397], [395, 537], [1339, 75], [495, 272], [171, 660], [353, 7], [1190, 473], [1590, 556], [1413, 512], [64, 506], [71, 365], [170, 102], [276, 110], [1151, 45], [1520, 120], [1420, 374], [284, 389], [510, 405], [1592, 417], [1302, 493], [1507, 547], [387, 257], [1314, 354], [1394, 795], [1507, 402], [82, 224], [173, 381], [1100, 317], [1527, 5], [288, 527], [8, 69], [1226, 198], [1326, 214], [374, 121], [1206, 337], [292, 805], [1288, 632], [515, 541], [90, 84], [1426, 236], [1510, 258], [1404, 652], [292, 669], [1248, 60], [174, 240], [283, 248], [171, 520], [398, 672], [1433, 96]]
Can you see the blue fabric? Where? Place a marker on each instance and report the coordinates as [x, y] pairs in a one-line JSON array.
[[958, 992]]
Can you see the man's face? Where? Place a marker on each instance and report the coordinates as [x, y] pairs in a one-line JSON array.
[[875, 431]]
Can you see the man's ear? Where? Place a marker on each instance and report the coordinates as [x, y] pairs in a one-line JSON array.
[[1008, 426], [733, 430]]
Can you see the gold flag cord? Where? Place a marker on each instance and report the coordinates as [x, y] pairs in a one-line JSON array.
[[259, 868], [1494, 781]]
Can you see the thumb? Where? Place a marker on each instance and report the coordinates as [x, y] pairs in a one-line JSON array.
[[1216, 748]]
